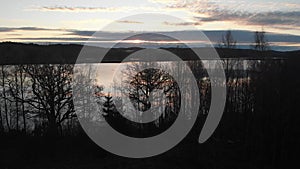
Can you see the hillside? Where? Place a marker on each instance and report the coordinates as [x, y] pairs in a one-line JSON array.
[[19, 53]]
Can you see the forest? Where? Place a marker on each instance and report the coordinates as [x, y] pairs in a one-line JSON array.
[[39, 125]]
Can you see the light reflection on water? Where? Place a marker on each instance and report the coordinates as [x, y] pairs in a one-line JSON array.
[[107, 72]]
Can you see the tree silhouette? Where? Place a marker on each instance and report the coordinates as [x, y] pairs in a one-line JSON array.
[[4, 74], [17, 91], [51, 93], [228, 40], [260, 41], [108, 107], [140, 87], [22, 77], [153, 94]]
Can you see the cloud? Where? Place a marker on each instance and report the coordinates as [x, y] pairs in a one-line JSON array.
[[79, 33], [188, 36], [193, 5], [181, 23], [75, 9], [14, 34], [101, 35], [50, 39], [260, 19], [4, 29], [130, 22], [275, 18], [12, 29], [92, 9], [224, 15], [205, 11], [105, 37], [163, 1]]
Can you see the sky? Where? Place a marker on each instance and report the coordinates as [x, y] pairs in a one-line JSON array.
[[73, 21]]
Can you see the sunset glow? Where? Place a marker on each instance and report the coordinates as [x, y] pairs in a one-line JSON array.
[[74, 21]]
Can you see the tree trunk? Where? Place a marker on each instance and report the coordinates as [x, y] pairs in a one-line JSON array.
[[4, 97], [52, 128], [22, 97], [16, 101], [1, 121]]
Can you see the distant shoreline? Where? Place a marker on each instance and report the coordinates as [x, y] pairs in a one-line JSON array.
[[12, 53]]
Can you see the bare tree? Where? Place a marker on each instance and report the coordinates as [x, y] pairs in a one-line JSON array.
[[260, 41], [228, 40], [13, 87], [88, 95], [17, 91], [1, 121], [51, 93], [22, 82], [4, 75], [141, 87]]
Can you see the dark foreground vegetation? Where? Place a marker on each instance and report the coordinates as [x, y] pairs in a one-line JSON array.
[[39, 127]]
